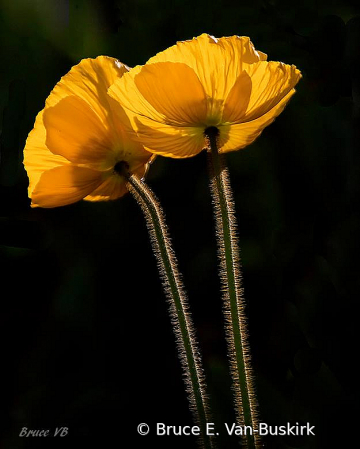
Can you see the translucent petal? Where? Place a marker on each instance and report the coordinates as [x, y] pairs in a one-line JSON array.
[[125, 92], [37, 157], [174, 90], [217, 62], [271, 81], [237, 136], [114, 186], [171, 141], [81, 105], [110, 189], [90, 80], [75, 132], [65, 185], [238, 99]]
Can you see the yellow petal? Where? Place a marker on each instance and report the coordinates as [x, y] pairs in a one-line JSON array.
[[170, 141], [217, 62], [65, 185], [238, 99], [125, 92], [90, 80], [112, 188], [75, 132], [166, 92], [174, 90], [37, 157], [271, 81], [237, 136]]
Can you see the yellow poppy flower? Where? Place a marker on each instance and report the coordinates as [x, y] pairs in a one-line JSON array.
[[79, 139], [201, 83]]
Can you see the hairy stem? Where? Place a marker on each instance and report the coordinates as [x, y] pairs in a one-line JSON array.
[[179, 311], [233, 301]]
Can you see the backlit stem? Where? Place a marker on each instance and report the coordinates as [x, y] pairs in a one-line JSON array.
[[233, 301], [179, 311]]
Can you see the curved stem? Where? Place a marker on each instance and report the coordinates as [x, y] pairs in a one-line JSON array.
[[234, 305], [180, 316]]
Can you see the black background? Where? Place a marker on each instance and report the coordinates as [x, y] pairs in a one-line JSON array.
[[86, 341]]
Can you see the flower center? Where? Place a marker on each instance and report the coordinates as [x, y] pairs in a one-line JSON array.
[[121, 168], [211, 131]]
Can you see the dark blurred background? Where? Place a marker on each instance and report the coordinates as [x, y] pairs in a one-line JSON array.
[[86, 341]]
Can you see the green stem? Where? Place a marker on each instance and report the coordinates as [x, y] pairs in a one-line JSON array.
[[234, 305], [180, 316]]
